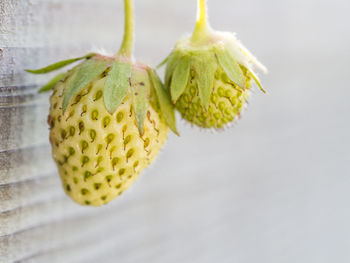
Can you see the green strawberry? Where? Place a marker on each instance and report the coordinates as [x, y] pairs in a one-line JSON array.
[[109, 117], [208, 75]]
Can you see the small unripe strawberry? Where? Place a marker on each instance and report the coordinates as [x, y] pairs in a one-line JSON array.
[[208, 75]]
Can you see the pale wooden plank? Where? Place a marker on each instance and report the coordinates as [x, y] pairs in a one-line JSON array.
[[96, 248], [23, 127], [25, 164], [70, 232], [16, 59], [33, 23], [24, 193], [44, 212]]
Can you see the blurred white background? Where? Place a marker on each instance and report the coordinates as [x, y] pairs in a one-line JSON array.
[[275, 187]]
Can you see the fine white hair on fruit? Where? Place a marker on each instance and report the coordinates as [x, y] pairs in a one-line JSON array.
[[100, 50]]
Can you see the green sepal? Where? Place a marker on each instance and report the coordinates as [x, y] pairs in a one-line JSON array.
[[116, 85], [230, 66], [242, 55], [180, 78], [161, 64], [205, 68], [256, 79], [51, 84], [166, 107], [140, 91], [82, 76], [171, 64], [58, 65]]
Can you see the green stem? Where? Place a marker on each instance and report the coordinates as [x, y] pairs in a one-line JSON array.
[[202, 29], [126, 48]]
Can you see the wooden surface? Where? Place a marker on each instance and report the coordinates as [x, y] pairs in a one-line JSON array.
[[273, 188]]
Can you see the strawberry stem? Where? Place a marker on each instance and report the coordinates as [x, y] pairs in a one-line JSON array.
[[126, 48], [202, 29]]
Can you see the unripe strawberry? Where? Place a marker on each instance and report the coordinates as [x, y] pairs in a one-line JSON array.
[[109, 117], [107, 123], [208, 75]]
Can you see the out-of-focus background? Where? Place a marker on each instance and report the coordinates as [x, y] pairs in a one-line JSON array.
[[273, 188]]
